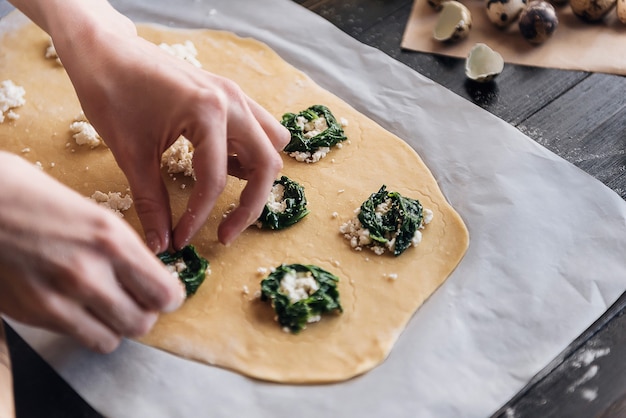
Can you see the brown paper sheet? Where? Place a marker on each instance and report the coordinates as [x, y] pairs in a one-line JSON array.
[[576, 45]]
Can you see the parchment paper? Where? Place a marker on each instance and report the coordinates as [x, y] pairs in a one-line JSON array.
[[576, 45], [546, 256]]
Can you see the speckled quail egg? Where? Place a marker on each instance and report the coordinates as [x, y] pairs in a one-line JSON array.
[[504, 12], [621, 10], [454, 22], [538, 21], [591, 10], [483, 63]]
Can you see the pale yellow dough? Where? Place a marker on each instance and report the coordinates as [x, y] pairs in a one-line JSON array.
[[224, 324]]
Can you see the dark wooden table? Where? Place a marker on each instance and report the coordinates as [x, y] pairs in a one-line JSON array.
[[578, 115]]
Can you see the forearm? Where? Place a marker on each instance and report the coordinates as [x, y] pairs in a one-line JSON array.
[[75, 24]]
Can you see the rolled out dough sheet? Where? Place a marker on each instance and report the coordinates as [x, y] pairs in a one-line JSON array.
[[225, 323]]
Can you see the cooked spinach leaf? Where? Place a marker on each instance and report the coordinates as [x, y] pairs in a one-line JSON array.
[[194, 267], [295, 315], [292, 206], [332, 135], [389, 215]]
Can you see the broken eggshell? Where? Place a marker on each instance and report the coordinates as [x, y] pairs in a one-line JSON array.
[[483, 63], [454, 22], [538, 21], [504, 12]]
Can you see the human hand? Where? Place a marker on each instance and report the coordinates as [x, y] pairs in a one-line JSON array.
[[95, 281], [141, 99]]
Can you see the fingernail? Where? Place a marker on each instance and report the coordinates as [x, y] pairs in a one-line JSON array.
[[153, 242]]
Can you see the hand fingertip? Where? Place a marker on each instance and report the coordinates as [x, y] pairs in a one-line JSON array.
[[154, 242], [178, 299]]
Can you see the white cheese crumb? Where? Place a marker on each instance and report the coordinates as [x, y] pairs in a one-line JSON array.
[[391, 276], [307, 157], [276, 200], [114, 201], [336, 263], [39, 165], [231, 207], [261, 271], [312, 128], [25, 150], [178, 158], [298, 285], [359, 237], [343, 122], [176, 267], [341, 191], [186, 51], [334, 215], [51, 52], [52, 164], [84, 133], [245, 290], [11, 96]]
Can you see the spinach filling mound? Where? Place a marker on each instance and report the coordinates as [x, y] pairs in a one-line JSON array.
[[300, 294], [285, 206], [188, 266], [387, 221], [313, 132]]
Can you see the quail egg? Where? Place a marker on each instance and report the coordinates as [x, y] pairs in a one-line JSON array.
[[483, 63], [591, 10], [454, 22], [538, 21], [504, 12], [621, 10]]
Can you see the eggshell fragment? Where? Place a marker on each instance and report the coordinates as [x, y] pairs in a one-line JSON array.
[[454, 22], [483, 63]]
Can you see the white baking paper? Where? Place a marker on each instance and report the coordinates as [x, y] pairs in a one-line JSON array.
[[546, 255]]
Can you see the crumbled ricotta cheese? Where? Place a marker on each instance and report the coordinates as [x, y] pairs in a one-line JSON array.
[[261, 271], [186, 51], [114, 201], [51, 52], [11, 96], [359, 236], [343, 122], [84, 133], [308, 157], [176, 267], [178, 158], [276, 200], [298, 285], [313, 127]]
